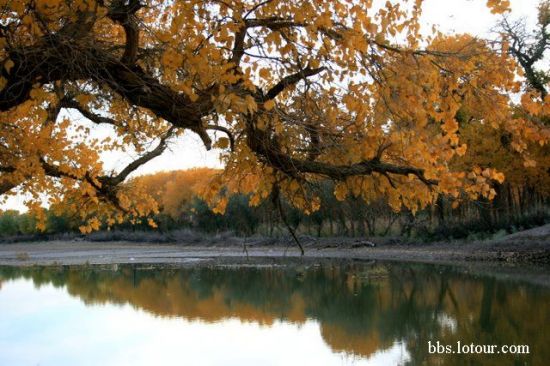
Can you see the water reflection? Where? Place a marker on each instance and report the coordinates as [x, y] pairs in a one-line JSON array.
[[360, 309]]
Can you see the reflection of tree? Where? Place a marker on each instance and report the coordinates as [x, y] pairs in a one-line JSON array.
[[485, 320], [360, 309]]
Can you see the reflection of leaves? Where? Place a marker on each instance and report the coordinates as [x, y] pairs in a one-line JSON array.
[[360, 309]]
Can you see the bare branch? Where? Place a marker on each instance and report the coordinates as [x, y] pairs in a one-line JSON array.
[[142, 160], [291, 80], [94, 117], [276, 199], [528, 51], [226, 131]]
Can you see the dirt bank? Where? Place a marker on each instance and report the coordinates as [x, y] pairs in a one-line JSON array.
[[531, 246]]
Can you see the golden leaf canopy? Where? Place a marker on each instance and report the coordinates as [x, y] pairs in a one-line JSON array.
[[291, 92]]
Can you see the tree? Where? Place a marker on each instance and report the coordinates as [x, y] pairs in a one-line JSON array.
[[8, 222], [529, 47], [175, 190], [291, 91]]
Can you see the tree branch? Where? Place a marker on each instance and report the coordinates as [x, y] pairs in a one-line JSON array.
[[276, 199], [94, 117], [238, 47], [290, 80], [266, 150], [528, 55], [226, 131], [157, 151], [105, 185], [123, 13]]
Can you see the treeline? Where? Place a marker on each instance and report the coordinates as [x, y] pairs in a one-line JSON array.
[[181, 207]]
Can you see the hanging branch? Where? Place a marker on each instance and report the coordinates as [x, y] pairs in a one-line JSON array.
[[276, 199]]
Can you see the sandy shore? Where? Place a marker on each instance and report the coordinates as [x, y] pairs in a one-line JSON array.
[[82, 252], [527, 247]]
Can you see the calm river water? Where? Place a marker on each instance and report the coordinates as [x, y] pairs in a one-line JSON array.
[[329, 314]]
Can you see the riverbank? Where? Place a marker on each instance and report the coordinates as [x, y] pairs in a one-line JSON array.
[[531, 246]]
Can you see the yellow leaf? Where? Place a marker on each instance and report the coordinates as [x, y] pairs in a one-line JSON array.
[[8, 65], [269, 105], [223, 142], [340, 191], [461, 150], [265, 73], [499, 177]]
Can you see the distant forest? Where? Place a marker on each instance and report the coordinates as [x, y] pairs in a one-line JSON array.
[[515, 207]]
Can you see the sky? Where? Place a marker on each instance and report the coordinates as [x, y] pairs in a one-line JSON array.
[[451, 16], [46, 326]]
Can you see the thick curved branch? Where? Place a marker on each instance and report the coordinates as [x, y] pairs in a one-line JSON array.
[[55, 58], [290, 80], [48, 62], [226, 131], [123, 13], [267, 151]]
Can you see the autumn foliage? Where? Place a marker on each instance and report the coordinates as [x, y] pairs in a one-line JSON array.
[[292, 92], [175, 190]]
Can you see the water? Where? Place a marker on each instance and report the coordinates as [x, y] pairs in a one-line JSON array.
[[346, 314]]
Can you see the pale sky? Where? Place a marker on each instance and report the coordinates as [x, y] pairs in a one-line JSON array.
[[47, 326], [452, 16]]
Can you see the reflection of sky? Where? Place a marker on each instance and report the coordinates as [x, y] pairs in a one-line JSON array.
[[47, 326]]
